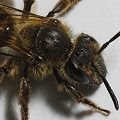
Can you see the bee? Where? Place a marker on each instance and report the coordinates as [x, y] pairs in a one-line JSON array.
[[43, 46]]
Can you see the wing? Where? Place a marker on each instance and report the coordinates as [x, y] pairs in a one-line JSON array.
[[12, 21], [20, 16]]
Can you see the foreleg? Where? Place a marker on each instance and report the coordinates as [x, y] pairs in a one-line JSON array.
[[76, 94]]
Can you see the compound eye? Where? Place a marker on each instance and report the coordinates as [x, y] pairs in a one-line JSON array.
[[76, 73]]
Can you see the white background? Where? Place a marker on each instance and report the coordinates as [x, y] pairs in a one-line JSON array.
[[98, 18]]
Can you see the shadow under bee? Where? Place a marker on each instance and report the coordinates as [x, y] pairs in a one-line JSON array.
[[58, 102]]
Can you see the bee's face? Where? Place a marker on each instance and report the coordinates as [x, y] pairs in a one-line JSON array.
[[79, 66]]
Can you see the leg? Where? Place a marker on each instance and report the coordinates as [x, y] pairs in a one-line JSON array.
[[27, 5], [5, 68], [61, 6], [75, 94], [25, 90]]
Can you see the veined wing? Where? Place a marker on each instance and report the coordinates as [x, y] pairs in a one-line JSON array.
[[11, 22], [19, 16]]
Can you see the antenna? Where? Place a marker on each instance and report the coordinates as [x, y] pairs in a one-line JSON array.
[[107, 43], [115, 101]]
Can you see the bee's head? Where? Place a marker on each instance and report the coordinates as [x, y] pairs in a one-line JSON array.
[[79, 66], [86, 65]]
